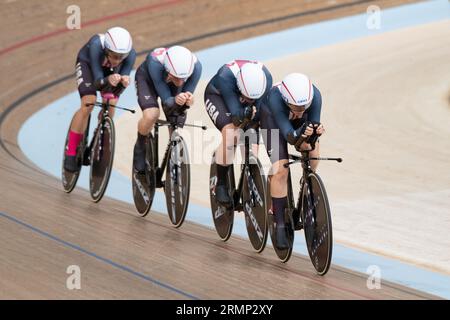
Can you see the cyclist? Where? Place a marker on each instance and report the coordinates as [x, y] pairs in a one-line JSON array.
[[172, 75], [232, 99], [103, 64], [292, 109]]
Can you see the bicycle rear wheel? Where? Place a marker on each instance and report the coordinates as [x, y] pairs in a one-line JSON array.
[[253, 198], [178, 181], [101, 159], [223, 218], [283, 254], [316, 218], [69, 179], [144, 185]]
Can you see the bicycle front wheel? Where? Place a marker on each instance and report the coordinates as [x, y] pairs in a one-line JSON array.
[[101, 159], [178, 181], [316, 218]]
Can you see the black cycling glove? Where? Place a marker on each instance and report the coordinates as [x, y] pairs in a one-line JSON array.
[[245, 116]]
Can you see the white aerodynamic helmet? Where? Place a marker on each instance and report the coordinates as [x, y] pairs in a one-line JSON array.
[[297, 89], [118, 40], [179, 62], [251, 80]]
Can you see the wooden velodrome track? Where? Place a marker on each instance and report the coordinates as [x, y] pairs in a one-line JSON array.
[[44, 230]]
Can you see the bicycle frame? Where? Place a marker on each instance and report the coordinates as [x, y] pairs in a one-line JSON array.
[[170, 144], [237, 194], [306, 166], [100, 125]]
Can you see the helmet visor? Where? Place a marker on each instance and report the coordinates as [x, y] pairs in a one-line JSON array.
[[178, 82], [116, 56], [184, 79], [301, 108]]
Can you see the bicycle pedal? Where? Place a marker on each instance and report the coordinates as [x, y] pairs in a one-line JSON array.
[[228, 207], [298, 226], [139, 174]]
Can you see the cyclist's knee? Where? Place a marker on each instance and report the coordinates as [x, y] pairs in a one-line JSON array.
[[151, 115], [229, 133], [149, 118], [85, 102], [315, 152], [279, 172], [88, 99]]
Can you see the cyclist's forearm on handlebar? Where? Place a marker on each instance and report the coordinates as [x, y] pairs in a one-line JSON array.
[[100, 84]]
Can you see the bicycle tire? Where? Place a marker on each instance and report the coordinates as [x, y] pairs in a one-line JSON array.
[[223, 218], [317, 223], [144, 185], [255, 219], [101, 159], [177, 175]]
